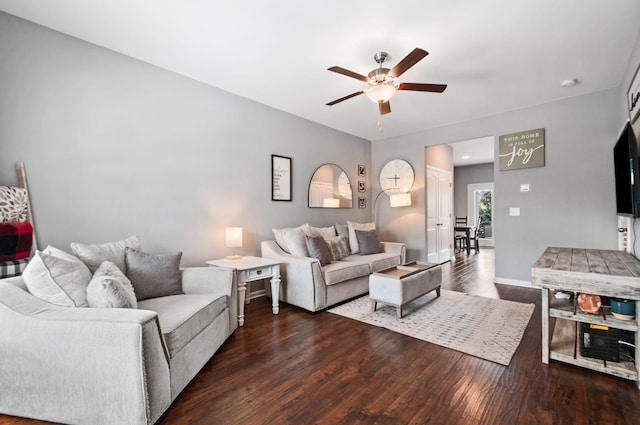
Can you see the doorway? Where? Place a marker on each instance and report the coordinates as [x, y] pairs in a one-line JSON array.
[[480, 210]]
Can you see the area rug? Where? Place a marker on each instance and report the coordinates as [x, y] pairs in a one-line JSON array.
[[483, 327]]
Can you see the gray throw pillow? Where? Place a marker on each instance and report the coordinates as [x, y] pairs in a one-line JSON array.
[[338, 247], [153, 275], [368, 241], [317, 247]]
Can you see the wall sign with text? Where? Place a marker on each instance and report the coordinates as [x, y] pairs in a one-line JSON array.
[[280, 178], [521, 150]]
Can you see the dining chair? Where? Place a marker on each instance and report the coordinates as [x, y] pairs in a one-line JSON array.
[[460, 237]]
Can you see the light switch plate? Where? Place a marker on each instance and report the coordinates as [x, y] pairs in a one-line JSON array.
[[514, 212], [525, 187]]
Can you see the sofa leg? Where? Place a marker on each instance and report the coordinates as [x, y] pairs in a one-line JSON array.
[[399, 312], [374, 305]]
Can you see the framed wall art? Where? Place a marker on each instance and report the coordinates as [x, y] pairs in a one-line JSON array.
[[362, 187], [521, 150], [280, 178], [362, 202], [362, 171]]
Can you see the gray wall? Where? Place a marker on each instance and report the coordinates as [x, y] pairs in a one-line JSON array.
[[466, 175], [572, 199], [114, 147]]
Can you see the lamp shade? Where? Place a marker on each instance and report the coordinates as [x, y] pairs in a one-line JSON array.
[[233, 237], [400, 200], [381, 93], [331, 203]]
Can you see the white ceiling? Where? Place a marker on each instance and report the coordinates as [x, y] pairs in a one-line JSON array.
[[474, 151], [495, 55]]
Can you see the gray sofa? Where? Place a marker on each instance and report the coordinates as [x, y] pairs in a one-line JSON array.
[[307, 284], [110, 365]]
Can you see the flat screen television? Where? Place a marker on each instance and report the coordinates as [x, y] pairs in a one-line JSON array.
[[627, 170]]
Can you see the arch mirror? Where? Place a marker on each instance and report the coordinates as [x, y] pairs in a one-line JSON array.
[[330, 188]]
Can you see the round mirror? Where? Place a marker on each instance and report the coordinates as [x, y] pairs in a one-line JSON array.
[[330, 188]]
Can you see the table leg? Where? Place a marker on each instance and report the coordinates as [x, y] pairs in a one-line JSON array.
[[275, 290], [247, 298], [468, 233], [242, 288], [545, 325]]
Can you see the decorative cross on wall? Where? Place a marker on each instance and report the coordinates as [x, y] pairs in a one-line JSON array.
[[395, 179]]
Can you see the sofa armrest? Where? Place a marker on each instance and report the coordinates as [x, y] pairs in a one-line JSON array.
[[396, 248], [213, 280], [302, 282], [74, 365]]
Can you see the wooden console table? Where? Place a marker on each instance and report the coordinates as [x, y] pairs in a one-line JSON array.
[[600, 272]]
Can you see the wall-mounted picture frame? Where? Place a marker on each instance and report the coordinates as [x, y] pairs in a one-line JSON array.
[[362, 186], [633, 96], [362, 202], [280, 178], [521, 150], [362, 170]]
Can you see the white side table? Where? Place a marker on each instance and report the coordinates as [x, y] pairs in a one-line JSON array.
[[249, 269]]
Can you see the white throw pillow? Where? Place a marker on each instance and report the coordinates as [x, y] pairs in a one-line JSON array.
[[110, 288], [58, 278], [353, 240], [278, 234], [296, 240], [94, 255], [325, 232]]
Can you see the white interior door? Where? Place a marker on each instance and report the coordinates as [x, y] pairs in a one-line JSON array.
[[433, 254], [445, 232], [438, 212]]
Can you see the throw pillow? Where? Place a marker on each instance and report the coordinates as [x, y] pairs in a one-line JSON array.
[[279, 237], [342, 230], [318, 249], [325, 232], [110, 288], [15, 240], [58, 278], [338, 247], [94, 255], [14, 204], [368, 241], [353, 241], [153, 275], [296, 242]]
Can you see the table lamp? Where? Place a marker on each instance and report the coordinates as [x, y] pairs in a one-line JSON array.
[[233, 240]]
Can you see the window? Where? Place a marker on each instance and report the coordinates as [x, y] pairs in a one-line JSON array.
[[480, 205]]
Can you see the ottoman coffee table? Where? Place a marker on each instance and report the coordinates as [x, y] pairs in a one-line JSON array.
[[400, 285]]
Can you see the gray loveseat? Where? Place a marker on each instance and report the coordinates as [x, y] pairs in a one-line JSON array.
[[307, 284], [110, 365]]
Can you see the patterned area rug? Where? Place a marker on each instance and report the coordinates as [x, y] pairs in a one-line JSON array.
[[483, 327]]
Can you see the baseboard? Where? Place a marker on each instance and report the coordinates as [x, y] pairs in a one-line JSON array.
[[512, 282]]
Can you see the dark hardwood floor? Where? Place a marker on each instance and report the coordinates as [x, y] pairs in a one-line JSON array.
[[303, 368]]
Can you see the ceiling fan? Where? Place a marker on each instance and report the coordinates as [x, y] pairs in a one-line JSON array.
[[382, 81]]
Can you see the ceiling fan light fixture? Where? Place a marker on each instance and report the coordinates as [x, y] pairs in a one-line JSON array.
[[381, 93]]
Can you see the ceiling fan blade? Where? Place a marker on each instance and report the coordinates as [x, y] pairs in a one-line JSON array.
[[348, 73], [345, 98], [411, 59], [385, 107], [436, 88]]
